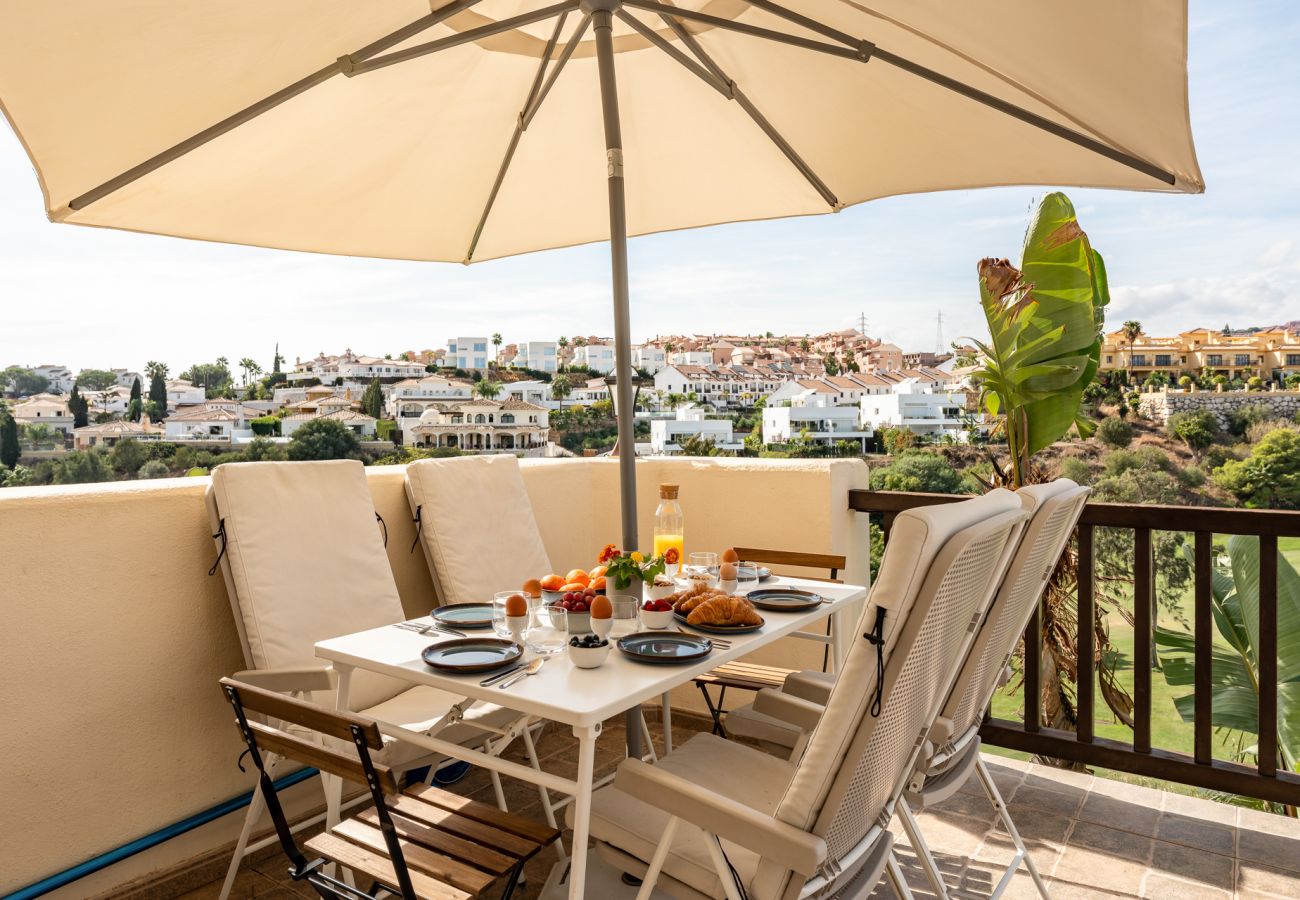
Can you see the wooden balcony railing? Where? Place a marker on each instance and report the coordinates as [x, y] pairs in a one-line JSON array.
[[1264, 781]]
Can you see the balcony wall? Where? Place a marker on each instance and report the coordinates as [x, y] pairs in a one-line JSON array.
[[115, 636]]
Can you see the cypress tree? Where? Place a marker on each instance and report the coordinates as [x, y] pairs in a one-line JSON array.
[[8, 439], [372, 402], [137, 404], [79, 408], [158, 394]]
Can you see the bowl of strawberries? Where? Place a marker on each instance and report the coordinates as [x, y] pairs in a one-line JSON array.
[[657, 614]]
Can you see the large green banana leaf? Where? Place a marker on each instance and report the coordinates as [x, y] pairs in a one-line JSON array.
[[1235, 662]]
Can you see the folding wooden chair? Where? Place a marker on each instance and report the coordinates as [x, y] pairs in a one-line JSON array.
[[422, 843]]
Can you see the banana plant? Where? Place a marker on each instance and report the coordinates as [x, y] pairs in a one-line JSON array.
[[1045, 323], [1235, 670]]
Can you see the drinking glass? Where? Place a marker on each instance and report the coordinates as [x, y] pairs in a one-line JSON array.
[[701, 567], [746, 579], [513, 628], [624, 620], [549, 631]]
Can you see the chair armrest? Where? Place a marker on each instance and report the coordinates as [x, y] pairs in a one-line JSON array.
[[809, 685], [801, 713], [768, 837], [307, 678]]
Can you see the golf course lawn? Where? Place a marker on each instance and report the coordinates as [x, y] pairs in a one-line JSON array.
[[1168, 730]]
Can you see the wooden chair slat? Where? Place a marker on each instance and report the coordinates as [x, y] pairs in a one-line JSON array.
[[485, 858], [418, 858], [380, 868], [504, 841], [538, 832], [791, 558], [308, 715], [346, 767]]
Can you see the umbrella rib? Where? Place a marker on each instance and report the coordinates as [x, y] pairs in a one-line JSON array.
[[862, 53], [712, 78], [733, 92], [1017, 112], [532, 103], [254, 110], [464, 37]]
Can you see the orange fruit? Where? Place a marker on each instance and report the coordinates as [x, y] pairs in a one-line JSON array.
[[516, 605], [532, 588], [597, 572], [577, 576], [601, 608], [574, 586], [597, 583], [730, 555], [552, 583]]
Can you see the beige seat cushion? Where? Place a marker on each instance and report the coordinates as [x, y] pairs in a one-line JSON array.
[[756, 726], [476, 525], [304, 561], [740, 773]]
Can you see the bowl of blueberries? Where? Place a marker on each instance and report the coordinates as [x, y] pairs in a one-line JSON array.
[[587, 651]]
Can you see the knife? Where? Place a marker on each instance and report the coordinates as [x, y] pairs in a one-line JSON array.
[[493, 679]]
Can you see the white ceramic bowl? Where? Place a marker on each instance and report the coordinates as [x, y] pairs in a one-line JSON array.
[[656, 619], [588, 657], [651, 592], [549, 597]]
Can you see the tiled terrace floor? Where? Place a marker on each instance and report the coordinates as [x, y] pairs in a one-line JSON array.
[[1090, 837]]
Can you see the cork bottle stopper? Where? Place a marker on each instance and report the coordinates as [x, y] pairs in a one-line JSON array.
[[668, 492]]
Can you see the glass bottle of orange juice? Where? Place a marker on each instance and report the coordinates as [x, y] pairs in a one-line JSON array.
[[668, 528]]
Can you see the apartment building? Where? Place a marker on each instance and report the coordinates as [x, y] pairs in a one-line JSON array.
[[691, 421], [542, 356], [469, 353], [916, 406], [60, 378], [596, 356], [815, 414], [650, 357], [1270, 353]]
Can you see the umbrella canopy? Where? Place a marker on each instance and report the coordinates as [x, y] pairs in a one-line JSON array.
[[475, 129]]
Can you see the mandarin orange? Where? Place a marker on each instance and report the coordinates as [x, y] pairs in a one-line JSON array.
[[577, 576], [532, 588], [552, 582]]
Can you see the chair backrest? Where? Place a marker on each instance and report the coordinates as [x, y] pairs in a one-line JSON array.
[[935, 583], [1055, 509], [476, 525], [831, 562], [304, 560]]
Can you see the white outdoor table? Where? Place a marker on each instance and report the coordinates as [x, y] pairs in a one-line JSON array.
[[561, 692]]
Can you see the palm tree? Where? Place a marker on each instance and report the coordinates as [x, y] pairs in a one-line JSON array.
[[155, 369], [804, 344], [674, 400], [486, 389], [496, 345], [247, 365], [561, 387], [1131, 330]]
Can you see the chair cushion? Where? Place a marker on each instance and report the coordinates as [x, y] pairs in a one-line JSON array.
[[476, 525], [305, 561], [756, 726], [738, 772]]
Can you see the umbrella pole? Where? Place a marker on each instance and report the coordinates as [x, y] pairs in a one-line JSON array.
[[602, 22]]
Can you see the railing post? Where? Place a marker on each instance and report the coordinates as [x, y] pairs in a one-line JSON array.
[[1203, 636], [1268, 655], [1143, 607], [1086, 645]]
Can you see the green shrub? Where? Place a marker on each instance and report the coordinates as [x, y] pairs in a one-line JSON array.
[[384, 429], [1191, 477], [1254, 383], [128, 455], [1270, 477], [1195, 428], [1117, 462], [1115, 432], [1185, 381], [261, 449], [1075, 469], [1154, 458], [154, 468], [265, 426], [919, 471], [1241, 418], [1137, 486], [83, 467], [323, 439]]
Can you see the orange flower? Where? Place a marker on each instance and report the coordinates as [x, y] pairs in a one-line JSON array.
[[610, 552], [671, 556]]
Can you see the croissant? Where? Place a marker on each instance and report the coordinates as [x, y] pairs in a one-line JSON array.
[[686, 600], [724, 610]]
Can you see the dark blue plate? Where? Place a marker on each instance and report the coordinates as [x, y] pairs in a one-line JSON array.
[[463, 615], [784, 599], [665, 648], [465, 655]]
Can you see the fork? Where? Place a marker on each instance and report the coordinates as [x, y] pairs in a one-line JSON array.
[[531, 669]]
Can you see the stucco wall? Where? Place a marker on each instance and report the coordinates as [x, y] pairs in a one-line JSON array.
[[114, 635]]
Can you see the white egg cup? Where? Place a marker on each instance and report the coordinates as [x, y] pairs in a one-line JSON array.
[[602, 627]]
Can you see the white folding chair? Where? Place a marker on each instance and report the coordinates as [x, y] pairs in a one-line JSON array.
[[720, 819], [303, 560]]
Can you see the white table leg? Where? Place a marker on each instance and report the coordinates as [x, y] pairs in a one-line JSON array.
[[586, 736], [668, 722], [332, 783], [841, 631]]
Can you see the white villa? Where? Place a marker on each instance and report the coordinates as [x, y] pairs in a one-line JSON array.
[[50, 410], [665, 434], [362, 425], [816, 413], [650, 357], [353, 368], [597, 356], [541, 356], [409, 399], [537, 393], [181, 393], [478, 424], [911, 405], [114, 400], [126, 377], [59, 377], [107, 434], [468, 353], [214, 420]]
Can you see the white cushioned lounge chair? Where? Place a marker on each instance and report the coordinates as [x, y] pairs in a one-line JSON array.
[[720, 819], [303, 560], [951, 754]]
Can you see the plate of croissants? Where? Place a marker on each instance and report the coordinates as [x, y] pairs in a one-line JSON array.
[[714, 611]]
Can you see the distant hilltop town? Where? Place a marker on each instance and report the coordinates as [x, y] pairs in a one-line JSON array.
[[483, 394]]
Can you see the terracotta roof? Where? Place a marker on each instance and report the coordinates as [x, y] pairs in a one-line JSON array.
[[819, 387], [119, 427], [513, 403]]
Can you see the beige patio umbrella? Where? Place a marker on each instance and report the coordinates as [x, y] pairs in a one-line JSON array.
[[474, 129]]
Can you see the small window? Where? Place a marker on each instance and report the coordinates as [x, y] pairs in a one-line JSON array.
[[1241, 359], [1214, 359], [1164, 359], [1293, 359]]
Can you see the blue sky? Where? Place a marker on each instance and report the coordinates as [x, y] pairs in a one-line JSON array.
[[96, 298]]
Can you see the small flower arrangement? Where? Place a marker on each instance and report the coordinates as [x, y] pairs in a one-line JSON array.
[[624, 568]]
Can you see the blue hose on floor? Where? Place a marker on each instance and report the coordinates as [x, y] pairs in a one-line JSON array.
[[139, 845]]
